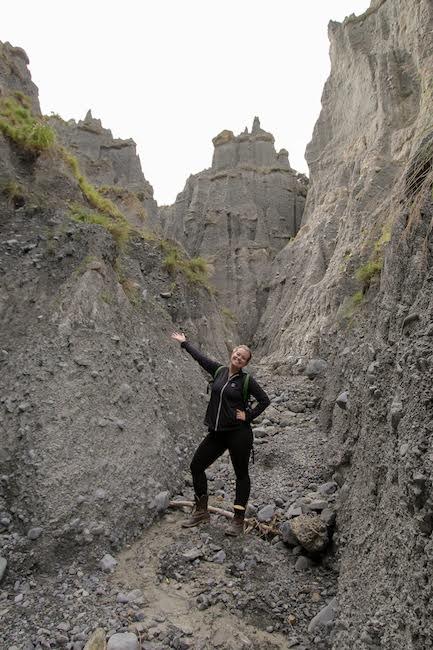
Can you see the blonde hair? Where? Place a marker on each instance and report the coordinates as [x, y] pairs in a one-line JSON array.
[[244, 347]]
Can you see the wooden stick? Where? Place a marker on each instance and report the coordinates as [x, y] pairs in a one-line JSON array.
[[190, 504]]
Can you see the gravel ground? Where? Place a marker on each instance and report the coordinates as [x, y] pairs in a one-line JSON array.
[[196, 588]]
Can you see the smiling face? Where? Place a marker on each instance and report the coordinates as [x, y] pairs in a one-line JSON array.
[[240, 357]]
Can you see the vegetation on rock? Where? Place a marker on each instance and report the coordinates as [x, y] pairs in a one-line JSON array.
[[119, 229], [19, 124]]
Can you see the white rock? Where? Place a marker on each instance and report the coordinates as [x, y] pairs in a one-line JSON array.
[[108, 563], [123, 641]]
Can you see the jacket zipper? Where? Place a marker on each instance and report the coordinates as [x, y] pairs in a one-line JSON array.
[[221, 397]]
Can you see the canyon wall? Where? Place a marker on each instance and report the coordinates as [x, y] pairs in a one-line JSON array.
[[355, 288], [99, 408]]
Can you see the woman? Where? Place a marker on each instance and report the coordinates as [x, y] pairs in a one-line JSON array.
[[229, 424]]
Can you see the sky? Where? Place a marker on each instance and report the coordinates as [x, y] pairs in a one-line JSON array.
[[172, 74]]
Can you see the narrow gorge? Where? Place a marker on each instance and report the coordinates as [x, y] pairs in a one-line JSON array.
[[329, 279]]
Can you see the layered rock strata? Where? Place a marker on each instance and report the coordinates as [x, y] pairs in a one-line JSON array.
[[237, 215], [355, 287]]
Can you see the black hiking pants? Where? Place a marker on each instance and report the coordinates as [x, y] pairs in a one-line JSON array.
[[239, 443]]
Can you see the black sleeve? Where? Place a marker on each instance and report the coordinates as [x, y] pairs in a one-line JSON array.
[[263, 400], [206, 363]]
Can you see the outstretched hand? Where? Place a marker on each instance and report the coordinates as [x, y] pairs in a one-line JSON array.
[[178, 336]]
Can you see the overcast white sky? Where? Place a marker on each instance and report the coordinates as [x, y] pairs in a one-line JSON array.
[[171, 74]]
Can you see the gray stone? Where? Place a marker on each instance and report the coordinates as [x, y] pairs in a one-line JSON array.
[[303, 563], [293, 511], [161, 501], [219, 557], [324, 617], [135, 596], [260, 432], [342, 400], [315, 368], [317, 505], [287, 535], [266, 513], [328, 488], [34, 533], [123, 641], [108, 563], [193, 554]]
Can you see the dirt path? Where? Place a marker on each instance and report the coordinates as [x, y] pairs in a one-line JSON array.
[[203, 589]]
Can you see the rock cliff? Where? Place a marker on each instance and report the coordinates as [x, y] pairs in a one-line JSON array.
[[99, 409], [237, 215], [355, 287], [112, 165]]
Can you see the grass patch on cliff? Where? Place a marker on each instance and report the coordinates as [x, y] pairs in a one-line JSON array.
[[368, 271], [19, 124], [14, 192], [92, 194], [196, 269], [118, 229]]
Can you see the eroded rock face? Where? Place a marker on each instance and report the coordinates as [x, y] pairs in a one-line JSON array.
[[112, 164], [237, 215], [99, 408], [364, 305], [14, 75], [375, 112]]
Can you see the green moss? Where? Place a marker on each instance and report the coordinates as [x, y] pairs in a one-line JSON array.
[[383, 239], [19, 124], [368, 271], [119, 229]]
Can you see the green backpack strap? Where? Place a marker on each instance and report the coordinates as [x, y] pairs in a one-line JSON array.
[[245, 387], [211, 381], [217, 371]]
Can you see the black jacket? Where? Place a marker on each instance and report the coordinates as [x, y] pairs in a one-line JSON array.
[[226, 395]]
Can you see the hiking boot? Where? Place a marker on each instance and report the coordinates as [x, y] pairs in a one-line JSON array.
[[236, 526], [200, 513]]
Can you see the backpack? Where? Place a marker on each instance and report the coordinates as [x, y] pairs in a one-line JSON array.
[[245, 384], [245, 395]]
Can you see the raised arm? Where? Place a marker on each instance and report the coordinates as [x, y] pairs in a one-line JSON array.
[[263, 400], [207, 364]]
